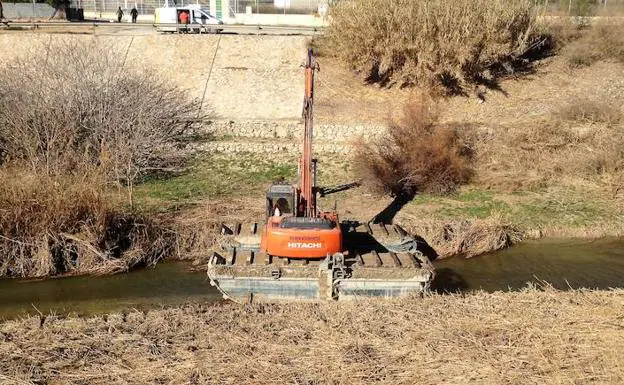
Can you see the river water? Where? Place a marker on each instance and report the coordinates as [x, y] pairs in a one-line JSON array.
[[562, 263]]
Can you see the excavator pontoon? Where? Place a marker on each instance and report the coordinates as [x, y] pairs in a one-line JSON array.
[[304, 253]]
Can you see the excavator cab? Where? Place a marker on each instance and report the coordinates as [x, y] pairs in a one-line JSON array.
[[283, 197]]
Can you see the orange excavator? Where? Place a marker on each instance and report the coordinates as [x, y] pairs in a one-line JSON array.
[[305, 253]]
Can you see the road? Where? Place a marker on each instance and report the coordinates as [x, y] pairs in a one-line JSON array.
[[111, 28]]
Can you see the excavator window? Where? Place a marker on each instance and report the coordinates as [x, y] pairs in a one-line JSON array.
[[283, 206]]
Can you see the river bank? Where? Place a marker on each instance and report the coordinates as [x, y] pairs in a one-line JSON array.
[[563, 263], [546, 147], [531, 336]]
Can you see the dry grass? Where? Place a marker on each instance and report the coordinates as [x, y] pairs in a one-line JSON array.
[[582, 139], [415, 154], [528, 337], [430, 43], [601, 41], [464, 238], [69, 224], [588, 111]]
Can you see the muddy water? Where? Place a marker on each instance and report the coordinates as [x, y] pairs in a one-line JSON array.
[[562, 263], [167, 284]]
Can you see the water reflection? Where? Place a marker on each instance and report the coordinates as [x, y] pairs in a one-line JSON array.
[[595, 264]]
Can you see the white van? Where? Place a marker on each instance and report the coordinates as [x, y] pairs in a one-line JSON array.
[[200, 20]]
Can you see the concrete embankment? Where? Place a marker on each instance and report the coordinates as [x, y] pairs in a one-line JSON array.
[[235, 77]]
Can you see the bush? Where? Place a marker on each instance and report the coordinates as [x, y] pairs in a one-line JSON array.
[[71, 122], [416, 154], [58, 224], [78, 108], [430, 42]]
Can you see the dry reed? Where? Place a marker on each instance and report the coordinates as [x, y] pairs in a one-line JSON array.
[[430, 43], [527, 337], [69, 224], [464, 238]]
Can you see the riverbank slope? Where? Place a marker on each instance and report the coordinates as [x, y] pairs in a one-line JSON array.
[[547, 143]]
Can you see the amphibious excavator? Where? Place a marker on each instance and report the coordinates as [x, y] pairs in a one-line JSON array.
[[304, 253]]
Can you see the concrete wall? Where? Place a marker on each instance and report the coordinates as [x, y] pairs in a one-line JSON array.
[[239, 77], [267, 19], [27, 11]]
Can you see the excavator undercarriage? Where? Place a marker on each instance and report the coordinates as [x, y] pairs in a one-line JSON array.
[[379, 261]]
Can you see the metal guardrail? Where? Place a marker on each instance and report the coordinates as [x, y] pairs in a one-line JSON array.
[[228, 27]]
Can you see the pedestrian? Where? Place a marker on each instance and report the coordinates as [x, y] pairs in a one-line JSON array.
[[134, 14], [276, 211], [1, 11], [119, 14]]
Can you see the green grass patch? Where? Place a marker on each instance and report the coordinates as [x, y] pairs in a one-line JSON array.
[[562, 206], [212, 178], [464, 204]]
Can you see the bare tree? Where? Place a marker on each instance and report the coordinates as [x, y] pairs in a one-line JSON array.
[[81, 109]]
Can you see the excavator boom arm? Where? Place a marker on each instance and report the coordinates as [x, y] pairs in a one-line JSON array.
[[306, 178]]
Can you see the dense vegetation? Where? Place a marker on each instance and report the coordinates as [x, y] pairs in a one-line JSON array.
[[433, 43], [77, 129]]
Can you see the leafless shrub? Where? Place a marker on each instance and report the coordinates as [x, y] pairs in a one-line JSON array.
[[432, 42], [71, 122], [77, 107], [416, 154]]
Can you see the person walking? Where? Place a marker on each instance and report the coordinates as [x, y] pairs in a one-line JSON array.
[[134, 13], [119, 14]]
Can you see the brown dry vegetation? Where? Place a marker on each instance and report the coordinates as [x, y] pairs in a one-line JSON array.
[[415, 154], [465, 238], [70, 224], [430, 43], [581, 140], [527, 337], [587, 45], [70, 148]]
